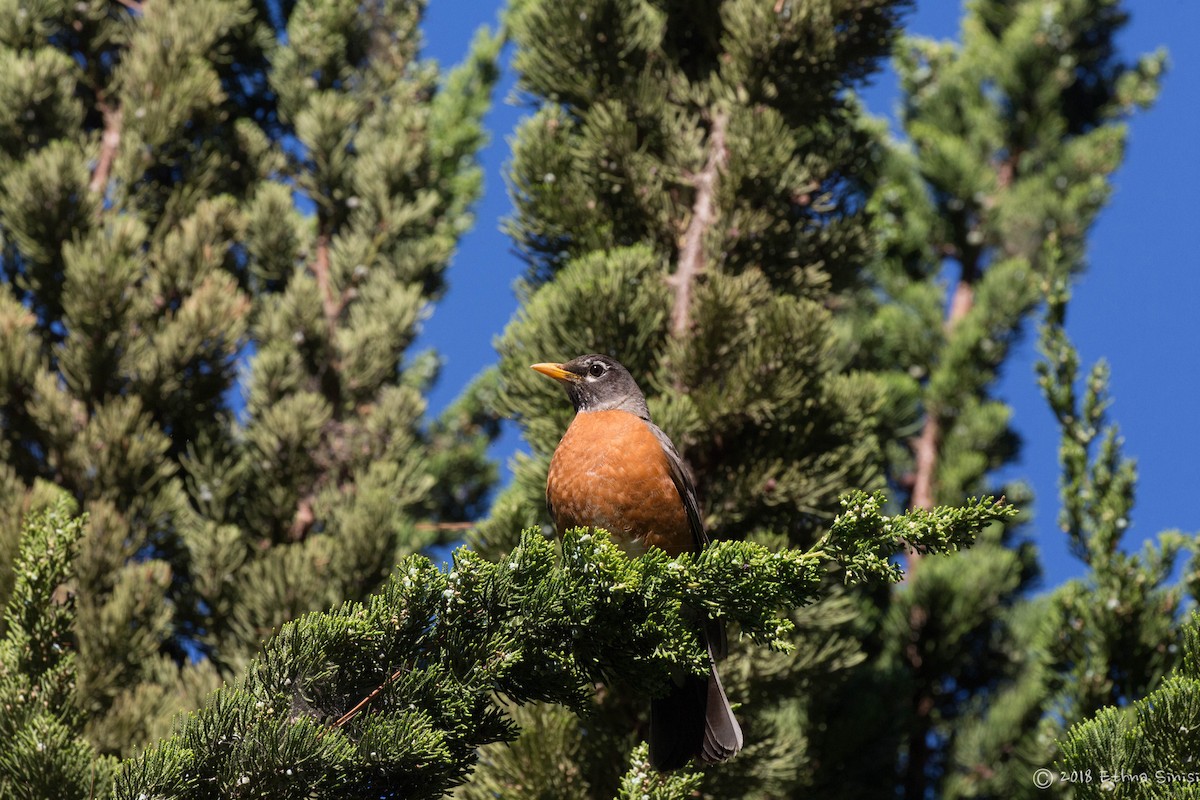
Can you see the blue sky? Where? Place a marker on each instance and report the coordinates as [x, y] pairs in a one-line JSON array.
[[1138, 305]]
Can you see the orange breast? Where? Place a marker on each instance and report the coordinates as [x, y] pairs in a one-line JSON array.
[[610, 472]]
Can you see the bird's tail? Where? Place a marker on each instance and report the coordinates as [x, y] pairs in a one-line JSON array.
[[693, 720]]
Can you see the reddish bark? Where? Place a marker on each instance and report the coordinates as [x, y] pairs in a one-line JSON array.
[[110, 143], [692, 257]]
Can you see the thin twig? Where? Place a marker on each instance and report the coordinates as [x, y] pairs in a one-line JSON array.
[[445, 526], [352, 713]]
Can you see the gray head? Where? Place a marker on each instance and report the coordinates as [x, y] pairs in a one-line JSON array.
[[598, 383]]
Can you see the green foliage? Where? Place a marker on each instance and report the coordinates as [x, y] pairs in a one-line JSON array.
[[209, 199], [44, 755], [1100, 640], [863, 540], [204, 195], [1112, 629], [1012, 135], [391, 696], [643, 782], [689, 193], [542, 762], [1097, 481], [1146, 750], [629, 93]]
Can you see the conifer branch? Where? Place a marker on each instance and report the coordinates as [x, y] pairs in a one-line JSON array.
[[691, 251], [44, 753], [1152, 736], [437, 647]]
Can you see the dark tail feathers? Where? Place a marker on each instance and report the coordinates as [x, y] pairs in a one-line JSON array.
[[694, 720]]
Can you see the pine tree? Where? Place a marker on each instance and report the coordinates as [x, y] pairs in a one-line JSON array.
[[1103, 640], [1012, 135], [689, 195], [200, 197], [645, 217], [189, 187], [645, 186]]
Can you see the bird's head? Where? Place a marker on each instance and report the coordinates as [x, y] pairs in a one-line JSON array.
[[598, 383]]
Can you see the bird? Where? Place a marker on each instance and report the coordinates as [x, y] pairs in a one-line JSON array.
[[615, 469]]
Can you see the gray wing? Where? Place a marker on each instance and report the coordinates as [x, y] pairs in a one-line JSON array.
[[714, 629], [685, 487]]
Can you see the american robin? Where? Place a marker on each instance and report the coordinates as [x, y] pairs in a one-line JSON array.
[[615, 469]]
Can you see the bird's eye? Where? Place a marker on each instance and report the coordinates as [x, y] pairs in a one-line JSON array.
[[596, 370]]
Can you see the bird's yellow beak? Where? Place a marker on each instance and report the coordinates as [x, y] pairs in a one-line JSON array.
[[555, 371]]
